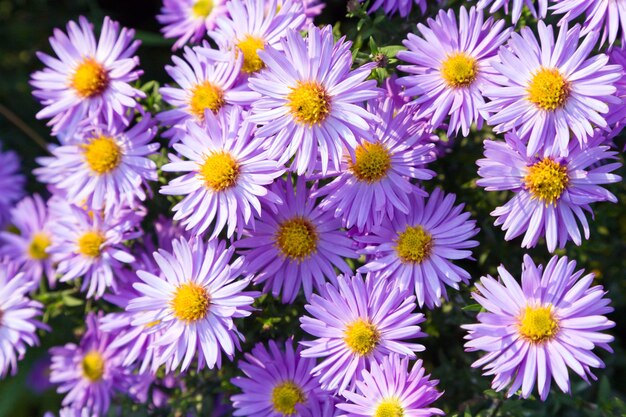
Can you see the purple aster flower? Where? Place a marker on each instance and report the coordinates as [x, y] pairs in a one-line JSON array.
[[416, 250], [532, 333], [91, 245], [90, 373], [545, 90], [89, 80], [616, 117], [299, 246], [370, 188], [551, 192], [390, 389], [606, 16], [193, 303], [205, 85], [103, 164], [226, 174], [253, 25], [11, 183], [358, 322], [18, 318], [29, 246], [276, 381], [450, 67], [516, 10], [311, 104], [189, 20], [397, 6]]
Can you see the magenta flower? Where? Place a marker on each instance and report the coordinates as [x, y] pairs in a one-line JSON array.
[[189, 20], [534, 332]]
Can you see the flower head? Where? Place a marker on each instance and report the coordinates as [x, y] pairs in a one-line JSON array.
[[189, 20], [449, 72], [606, 16], [357, 322], [551, 192], [546, 90], [532, 333], [11, 183], [516, 10], [89, 80], [299, 246], [193, 303], [311, 100]]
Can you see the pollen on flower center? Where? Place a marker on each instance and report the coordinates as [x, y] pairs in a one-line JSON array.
[[38, 245], [102, 154], [389, 408], [93, 366], [297, 238], [202, 8], [219, 171], [548, 89], [459, 70], [89, 244], [546, 180], [249, 47], [537, 324], [90, 78], [309, 103], [361, 337], [206, 96], [190, 302], [414, 244], [373, 161], [285, 397]]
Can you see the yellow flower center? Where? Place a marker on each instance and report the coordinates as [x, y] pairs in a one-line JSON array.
[[202, 8], [219, 171], [546, 180], [389, 408], [206, 96], [93, 366], [285, 396], [190, 302], [38, 245], [537, 324], [459, 70], [90, 78], [249, 47], [102, 154], [361, 337], [373, 161], [548, 89], [297, 238], [89, 244], [414, 244], [309, 103]]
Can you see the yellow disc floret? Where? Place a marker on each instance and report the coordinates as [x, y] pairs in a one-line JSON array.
[[202, 8], [297, 238], [361, 337], [389, 408], [373, 161], [190, 302], [537, 324], [38, 245], [548, 89], [90, 78], [546, 180], [93, 366], [459, 70], [90, 244], [102, 154], [249, 47], [414, 244], [309, 103], [285, 397], [219, 171], [206, 96]]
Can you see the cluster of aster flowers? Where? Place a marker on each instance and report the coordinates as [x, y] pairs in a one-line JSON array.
[[291, 174]]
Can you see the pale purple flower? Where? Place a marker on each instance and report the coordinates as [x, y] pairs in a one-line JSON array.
[[534, 332], [606, 16], [403, 7], [11, 183], [189, 20], [616, 117], [515, 10]]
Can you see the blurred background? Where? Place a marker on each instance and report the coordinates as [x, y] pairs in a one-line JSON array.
[[25, 26]]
